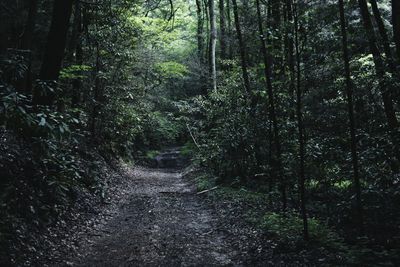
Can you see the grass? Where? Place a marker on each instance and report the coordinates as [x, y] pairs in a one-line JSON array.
[[151, 154]]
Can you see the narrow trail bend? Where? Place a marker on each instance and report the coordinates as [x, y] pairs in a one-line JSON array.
[[161, 223]]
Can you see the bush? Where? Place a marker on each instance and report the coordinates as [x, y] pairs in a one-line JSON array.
[[288, 228]]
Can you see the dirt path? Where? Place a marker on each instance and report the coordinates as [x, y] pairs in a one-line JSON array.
[[162, 222]]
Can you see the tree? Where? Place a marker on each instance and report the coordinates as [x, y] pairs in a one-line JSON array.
[[352, 128], [54, 52], [229, 28], [26, 40], [272, 109], [242, 48], [222, 26], [396, 25], [76, 51], [213, 44], [200, 29], [290, 49], [392, 120], [300, 126], [384, 36], [25, 85]]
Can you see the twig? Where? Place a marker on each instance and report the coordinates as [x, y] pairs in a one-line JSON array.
[[208, 190], [194, 139]]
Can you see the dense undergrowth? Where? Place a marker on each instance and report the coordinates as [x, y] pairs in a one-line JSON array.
[[327, 244]]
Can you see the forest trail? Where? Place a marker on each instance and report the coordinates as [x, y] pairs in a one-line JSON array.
[[162, 222]]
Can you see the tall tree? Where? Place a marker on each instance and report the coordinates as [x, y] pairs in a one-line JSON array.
[[380, 71], [290, 49], [25, 84], [300, 126], [350, 107], [384, 36], [213, 44], [272, 110], [242, 48], [55, 46], [229, 29], [222, 26], [396, 25], [76, 51], [200, 29], [27, 36], [207, 54]]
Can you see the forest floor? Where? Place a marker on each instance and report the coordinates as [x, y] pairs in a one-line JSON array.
[[161, 222], [156, 217]]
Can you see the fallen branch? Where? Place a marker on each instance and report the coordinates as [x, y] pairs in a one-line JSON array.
[[194, 139], [208, 190]]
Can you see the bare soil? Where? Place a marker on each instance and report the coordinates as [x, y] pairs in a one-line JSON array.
[[160, 221]]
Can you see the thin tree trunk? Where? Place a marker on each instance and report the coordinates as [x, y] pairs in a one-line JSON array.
[[396, 25], [96, 94], [272, 110], [229, 25], [300, 125], [26, 44], [242, 48], [55, 47], [276, 13], [222, 26], [77, 52], [200, 25], [379, 66], [384, 36], [213, 44], [208, 35], [349, 93], [290, 52]]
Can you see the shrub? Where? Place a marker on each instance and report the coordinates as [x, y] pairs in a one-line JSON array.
[[287, 228]]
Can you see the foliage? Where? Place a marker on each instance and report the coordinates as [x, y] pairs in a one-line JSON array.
[[74, 72], [288, 229], [171, 69]]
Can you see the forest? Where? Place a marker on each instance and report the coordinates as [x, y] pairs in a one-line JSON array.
[[199, 133]]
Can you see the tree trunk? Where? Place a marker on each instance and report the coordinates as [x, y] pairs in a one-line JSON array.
[[26, 40], [242, 48], [384, 36], [26, 44], [300, 125], [96, 94], [272, 111], [208, 35], [349, 93], [290, 52], [396, 25], [213, 44], [76, 52], [379, 66], [200, 24], [276, 13], [55, 47], [222, 34], [229, 25]]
